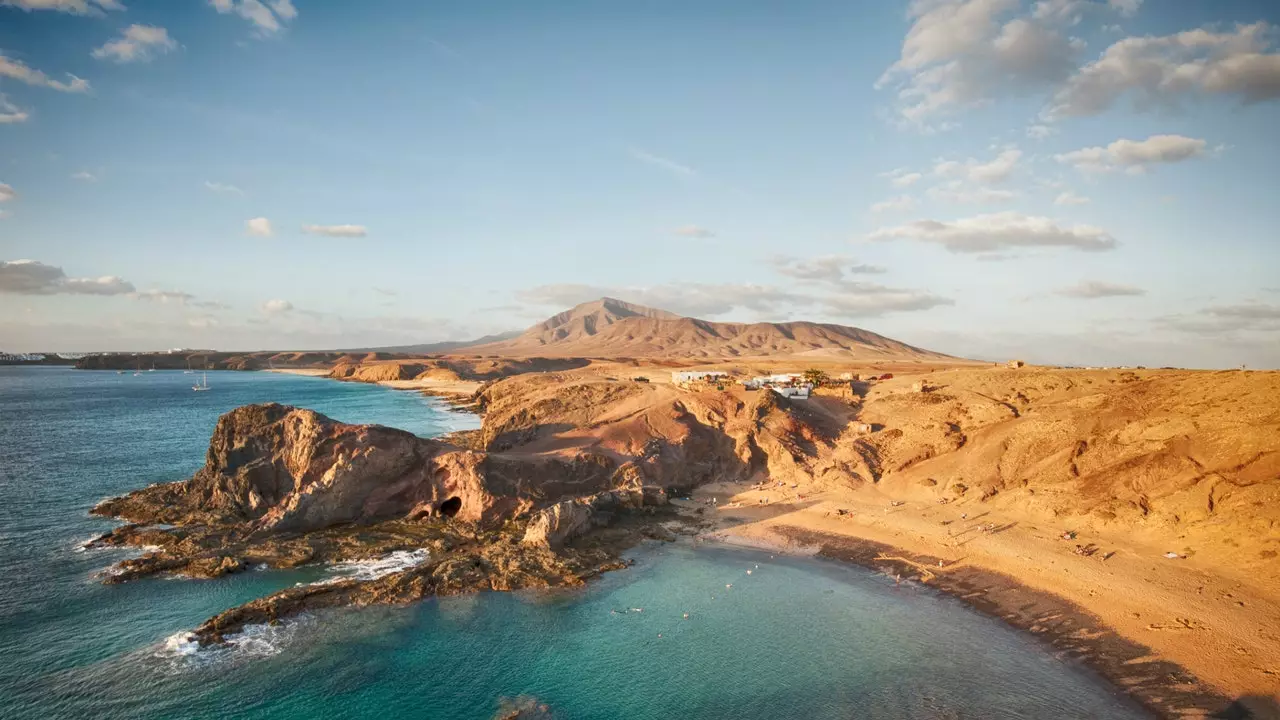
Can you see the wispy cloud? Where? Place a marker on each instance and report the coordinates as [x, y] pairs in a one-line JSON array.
[[85, 176], [1135, 156], [1000, 231], [336, 230], [223, 188], [694, 231], [1093, 290], [73, 7], [267, 18], [10, 113], [20, 71], [137, 43], [661, 162], [30, 277]]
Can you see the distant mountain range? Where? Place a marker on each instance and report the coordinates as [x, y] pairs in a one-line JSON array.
[[614, 328]]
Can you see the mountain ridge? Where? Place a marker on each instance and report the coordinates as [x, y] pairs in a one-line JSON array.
[[609, 327]]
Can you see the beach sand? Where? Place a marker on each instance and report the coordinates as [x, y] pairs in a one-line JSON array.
[[309, 372], [1136, 617]]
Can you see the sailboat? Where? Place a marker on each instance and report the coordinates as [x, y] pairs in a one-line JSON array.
[[188, 371], [202, 385]]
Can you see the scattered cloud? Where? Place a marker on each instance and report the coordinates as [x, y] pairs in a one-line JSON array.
[[259, 227], [1249, 311], [830, 268], [999, 231], [11, 114], [1071, 12], [20, 71], [84, 175], [165, 297], [1070, 198], [1135, 156], [694, 231], [74, 7], [661, 162], [958, 192], [1039, 131], [336, 230], [902, 177], [1093, 290], [993, 172], [29, 277], [222, 188], [1160, 72], [693, 299], [7, 192], [277, 307], [267, 18], [894, 204], [386, 292], [964, 53], [137, 43]]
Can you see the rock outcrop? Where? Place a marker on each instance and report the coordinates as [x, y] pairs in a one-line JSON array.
[[286, 469], [556, 525]]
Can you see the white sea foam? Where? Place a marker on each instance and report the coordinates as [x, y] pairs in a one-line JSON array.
[[180, 644], [182, 651], [388, 564]]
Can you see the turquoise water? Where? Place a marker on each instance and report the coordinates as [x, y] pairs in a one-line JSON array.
[[796, 638]]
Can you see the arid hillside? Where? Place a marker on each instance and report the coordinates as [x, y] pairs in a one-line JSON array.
[[609, 328]]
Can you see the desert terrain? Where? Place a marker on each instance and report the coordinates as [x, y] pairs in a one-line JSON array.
[[1127, 516]]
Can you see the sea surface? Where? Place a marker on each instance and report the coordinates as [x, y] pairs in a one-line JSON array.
[[765, 636]]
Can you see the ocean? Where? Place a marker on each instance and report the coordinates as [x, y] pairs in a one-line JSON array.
[[792, 638]]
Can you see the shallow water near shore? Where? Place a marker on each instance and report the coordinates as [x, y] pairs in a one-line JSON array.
[[795, 637]]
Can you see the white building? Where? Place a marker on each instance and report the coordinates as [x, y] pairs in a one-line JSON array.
[[797, 392], [689, 376]]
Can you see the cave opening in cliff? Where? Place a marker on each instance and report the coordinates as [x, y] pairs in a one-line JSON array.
[[450, 507]]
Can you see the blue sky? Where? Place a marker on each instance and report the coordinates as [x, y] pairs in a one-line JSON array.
[[1071, 181]]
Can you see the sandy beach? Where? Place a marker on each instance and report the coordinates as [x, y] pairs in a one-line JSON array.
[[309, 372], [1136, 617]]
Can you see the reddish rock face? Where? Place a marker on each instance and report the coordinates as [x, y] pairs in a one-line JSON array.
[[288, 469]]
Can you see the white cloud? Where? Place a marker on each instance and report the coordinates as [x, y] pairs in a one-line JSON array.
[[29, 277], [962, 53], [902, 177], [1093, 290], [957, 191], [894, 204], [7, 192], [694, 231], [20, 71], [222, 188], [164, 297], [10, 113], [74, 7], [265, 20], [998, 170], [336, 230], [277, 307], [84, 175], [1160, 72], [1070, 198], [1135, 155], [259, 227], [1071, 12], [664, 163], [999, 231], [137, 43], [1039, 132]]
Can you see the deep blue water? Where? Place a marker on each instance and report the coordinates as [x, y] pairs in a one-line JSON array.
[[796, 638]]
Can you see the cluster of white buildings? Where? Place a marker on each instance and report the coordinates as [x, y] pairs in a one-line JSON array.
[[790, 385]]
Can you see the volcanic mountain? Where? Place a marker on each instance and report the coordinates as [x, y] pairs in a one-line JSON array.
[[613, 328]]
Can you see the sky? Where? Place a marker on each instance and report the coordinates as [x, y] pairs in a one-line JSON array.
[[1080, 182]]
